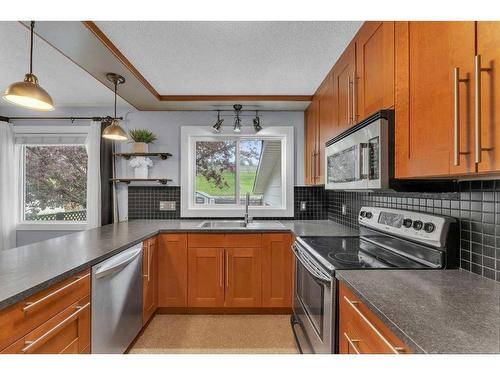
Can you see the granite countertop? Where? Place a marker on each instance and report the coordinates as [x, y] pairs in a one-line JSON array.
[[433, 311], [29, 269]]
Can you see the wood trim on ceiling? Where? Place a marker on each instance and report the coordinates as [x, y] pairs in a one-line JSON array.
[[99, 34]]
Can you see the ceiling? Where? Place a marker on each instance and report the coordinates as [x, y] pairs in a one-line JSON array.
[[67, 83], [231, 58]]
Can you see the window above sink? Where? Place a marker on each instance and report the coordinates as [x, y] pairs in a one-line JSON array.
[[218, 170]]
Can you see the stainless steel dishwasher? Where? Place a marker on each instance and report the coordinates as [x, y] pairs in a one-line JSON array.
[[117, 301]]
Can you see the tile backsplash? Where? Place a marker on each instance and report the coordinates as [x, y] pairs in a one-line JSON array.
[[476, 205]]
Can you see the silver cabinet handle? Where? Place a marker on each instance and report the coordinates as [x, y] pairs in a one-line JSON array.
[[221, 269], [149, 255], [456, 118], [477, 106], [351, 343], [30, 345], [354, 115], [349, 115], [395, 350], [30, 305], [227, 268]]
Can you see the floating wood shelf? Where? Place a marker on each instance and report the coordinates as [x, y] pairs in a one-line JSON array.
[[127, 181], [128, 155]]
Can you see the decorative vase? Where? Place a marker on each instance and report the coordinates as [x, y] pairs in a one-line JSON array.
[[141, 165], [139, 147]]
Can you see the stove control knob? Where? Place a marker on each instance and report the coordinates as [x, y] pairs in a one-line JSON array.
[[362, 214], [407, 223], [417, 225], [429, 227], [369, 215]]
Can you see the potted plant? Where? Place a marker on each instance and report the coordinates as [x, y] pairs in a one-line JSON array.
[[141, 138]]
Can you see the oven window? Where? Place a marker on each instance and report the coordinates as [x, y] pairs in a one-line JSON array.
[[342, 166], [311, 294]]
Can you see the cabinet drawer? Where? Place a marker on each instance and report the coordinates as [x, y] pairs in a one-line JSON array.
[[19, 319], [66, 333], [242, 240], [361, 332], [205, 240]]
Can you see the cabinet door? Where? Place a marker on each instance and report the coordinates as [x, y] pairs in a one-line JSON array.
[[243, 277], [149, 277], [344, 73], [488, 43], [172, 270], [374, 68], [277, 270], [427, 54], [327, 124], [310, 143], [205, 277]]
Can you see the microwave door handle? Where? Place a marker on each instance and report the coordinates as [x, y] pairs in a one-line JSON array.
[[363, 162]]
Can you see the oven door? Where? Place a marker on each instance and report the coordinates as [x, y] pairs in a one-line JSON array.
[[313, 306]]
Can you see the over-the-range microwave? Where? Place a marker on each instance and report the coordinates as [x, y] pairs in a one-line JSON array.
[[361, 157]]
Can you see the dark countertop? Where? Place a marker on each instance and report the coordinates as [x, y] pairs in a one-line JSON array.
[[433, 311], [29, 269]]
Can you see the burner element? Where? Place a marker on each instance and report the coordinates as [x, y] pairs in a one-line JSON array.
[[345, 257]]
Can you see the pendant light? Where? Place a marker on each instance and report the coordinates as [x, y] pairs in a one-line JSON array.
[[29, 93], [115, 131]]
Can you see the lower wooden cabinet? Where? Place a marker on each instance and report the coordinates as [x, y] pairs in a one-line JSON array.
[[149, 279], [360, 331], [205, 277], [55, 320], [172, 270], [277, 270], [243, 277]]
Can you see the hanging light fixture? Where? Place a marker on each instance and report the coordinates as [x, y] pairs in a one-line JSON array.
[[218, 124], [237, 120], [256, 122], [115, 131], [29, 93]]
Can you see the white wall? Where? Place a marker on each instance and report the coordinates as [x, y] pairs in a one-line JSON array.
[[167, 127]]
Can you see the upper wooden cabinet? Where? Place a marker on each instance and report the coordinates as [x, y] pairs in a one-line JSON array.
[[488, 53], [428, 130], [327, 123], [172, 270], [344, 75], [311, 142], [149, 279], [374, 84]]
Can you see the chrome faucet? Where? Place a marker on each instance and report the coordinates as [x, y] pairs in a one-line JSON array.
[[247, 203]]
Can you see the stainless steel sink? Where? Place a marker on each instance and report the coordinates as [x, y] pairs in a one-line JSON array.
[[240, 224]]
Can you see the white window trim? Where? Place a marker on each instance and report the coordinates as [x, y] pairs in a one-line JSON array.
[[26, 225], [189, 134]]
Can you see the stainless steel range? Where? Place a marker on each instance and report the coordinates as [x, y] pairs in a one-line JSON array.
[[388, 239]]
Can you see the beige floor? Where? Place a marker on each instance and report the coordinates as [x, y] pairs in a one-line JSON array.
[[236, 334]]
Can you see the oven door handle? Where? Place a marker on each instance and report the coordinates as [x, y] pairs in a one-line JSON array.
[[308, 267]]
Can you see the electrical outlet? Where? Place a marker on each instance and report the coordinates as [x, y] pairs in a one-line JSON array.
[[344, 209], [167, 205], [303, 206]]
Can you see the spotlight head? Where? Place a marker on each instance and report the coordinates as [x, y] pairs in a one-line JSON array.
[[256, 124]]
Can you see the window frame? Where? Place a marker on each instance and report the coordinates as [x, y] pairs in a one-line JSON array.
[[191, 134], [23, 224]]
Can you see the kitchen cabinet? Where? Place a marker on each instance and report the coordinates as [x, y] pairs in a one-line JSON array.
[[205, 277], [327, 123], [432, 129], [277, 270], [360, 331], [55, 320], [172, 270], [150, 279], [488, 53], [243, 277], [311, 143], [344, 76], [374, 83]]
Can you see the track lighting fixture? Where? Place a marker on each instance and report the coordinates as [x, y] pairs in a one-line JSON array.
[[256, 122], [115, 131], [237, 120], [218, 124]]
